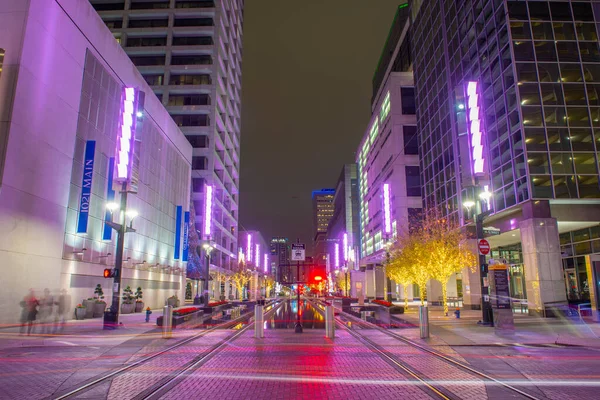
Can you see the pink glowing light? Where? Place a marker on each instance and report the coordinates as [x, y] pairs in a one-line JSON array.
[[266, 263], [249, 249], [345, 241], [387, 209], [257, 255], [208, 210], [336, 256], [475, 128], [126, 135]]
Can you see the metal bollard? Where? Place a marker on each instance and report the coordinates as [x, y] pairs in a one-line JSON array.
[[329, 322], [259, 318], [167, 330], [424, 321]]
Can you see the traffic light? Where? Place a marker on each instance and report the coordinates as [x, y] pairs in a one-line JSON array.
[[110, 273]]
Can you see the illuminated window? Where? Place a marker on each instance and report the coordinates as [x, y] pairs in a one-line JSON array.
[[385, 107]]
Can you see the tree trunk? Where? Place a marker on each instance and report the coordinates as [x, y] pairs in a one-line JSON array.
[[445, 297], [423, 291], [405, 297]]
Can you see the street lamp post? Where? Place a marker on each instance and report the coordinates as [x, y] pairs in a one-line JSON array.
[[208, 248], [387, 263], [111, 317]]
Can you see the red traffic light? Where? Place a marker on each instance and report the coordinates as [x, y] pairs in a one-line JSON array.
[[109, 273]]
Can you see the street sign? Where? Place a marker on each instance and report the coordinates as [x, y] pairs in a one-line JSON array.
[[489, 231], [484, 247], [298, 252]]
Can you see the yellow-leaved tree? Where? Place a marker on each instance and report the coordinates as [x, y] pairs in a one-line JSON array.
[[240, 277], [269, 282], [343, 282], [399, 274]]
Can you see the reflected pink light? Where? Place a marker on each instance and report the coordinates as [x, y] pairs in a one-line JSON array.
[[208, 210], [387, 213]]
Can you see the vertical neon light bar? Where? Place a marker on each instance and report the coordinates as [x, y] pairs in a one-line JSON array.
[[257, 256], [474, 127], [266, 266], [208, 211], [345, 241], [249, 249], [336, 256], [387, 209], [126, 134]]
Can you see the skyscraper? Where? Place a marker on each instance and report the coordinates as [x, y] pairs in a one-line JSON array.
[[322, 212], [190, 53], [508, 120]]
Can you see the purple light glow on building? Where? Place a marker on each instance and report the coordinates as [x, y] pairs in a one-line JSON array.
[[257, 255], [345, 241], [208, 211], [387, 209], [249, 249], [126, 135], [336, 256], [474, 127], [266, 263]]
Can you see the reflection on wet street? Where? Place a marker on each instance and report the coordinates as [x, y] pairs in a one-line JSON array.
[[285, 317]]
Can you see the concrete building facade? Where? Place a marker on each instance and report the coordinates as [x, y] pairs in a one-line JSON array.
[[63, 83], [322, 201], [190, 53]]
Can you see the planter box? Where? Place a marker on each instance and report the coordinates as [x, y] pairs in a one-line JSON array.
[[99, 309], [191, 319], [79, 313], [397, 310], [127, 308], [173, 302], [89, 308], [139, 306]]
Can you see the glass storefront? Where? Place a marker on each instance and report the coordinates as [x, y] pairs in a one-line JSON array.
[[574, 246], [514, 259]]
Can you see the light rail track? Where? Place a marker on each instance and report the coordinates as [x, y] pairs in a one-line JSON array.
[[435, 390], [167, 381]]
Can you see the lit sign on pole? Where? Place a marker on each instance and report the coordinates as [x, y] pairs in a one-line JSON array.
[[387, 209], [475, 127], [208, 210], [126, 135], [257, 255], [249, 249], [345, 241]]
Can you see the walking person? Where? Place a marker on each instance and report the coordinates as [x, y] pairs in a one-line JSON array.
[[64, 305], [31, 309], [46, 311]]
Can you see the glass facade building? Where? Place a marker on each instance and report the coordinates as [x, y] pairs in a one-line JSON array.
[[535, 66], [190, 53]]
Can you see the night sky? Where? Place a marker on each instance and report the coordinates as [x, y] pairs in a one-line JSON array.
[[306, 91]]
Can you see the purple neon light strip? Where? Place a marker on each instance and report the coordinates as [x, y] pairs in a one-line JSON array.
[[266, 266], [249, 249], [345, 241], [257, 255], [208, 210], [387, 214], [126, 135], [337, 255], [475, 130]]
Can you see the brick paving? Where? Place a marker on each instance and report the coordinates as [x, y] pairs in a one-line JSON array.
[[285, 365]]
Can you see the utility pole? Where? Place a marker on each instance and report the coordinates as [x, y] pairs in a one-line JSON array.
[[298, 327], [486, 306]]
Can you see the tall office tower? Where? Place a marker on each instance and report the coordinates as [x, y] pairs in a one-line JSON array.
[[280, 256], [322, 212], [190, 52], [388, 159], [508, 96]]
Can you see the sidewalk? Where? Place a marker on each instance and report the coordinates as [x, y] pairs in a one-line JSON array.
[[528, 330]]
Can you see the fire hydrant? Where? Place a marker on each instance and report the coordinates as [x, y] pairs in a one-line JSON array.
[[148, 312], [457, 312]]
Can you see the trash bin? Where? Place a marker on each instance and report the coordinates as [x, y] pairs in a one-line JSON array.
[[167, 330]]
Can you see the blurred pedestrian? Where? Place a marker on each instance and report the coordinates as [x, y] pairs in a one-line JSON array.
[[46, 311], [30, 309], [64, 306]]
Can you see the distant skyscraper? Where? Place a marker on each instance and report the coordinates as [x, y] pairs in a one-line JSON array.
[[190, 53], [322, 212], [280, 256]]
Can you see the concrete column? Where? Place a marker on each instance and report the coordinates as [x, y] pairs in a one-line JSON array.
[[380, 282], [370, 282], [543, 263], [434, 292]]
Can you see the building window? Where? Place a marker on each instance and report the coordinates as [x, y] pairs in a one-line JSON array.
[[193, 22], [201, 59], [146, 41], [415, 216], [153, 79], [198, 141], [113, 23], [191, 120], [149, 5], [189, 100], [190, 80], [408, 100], [149, 23], [198, 185], [109, 6], [195, 4], [192, 41], [199, 163], [141, 61], [411, 145], [413, 181]]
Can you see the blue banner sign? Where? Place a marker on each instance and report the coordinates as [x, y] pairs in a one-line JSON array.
[[86, 186], [186, 226], [110, 197], [178, 215]]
